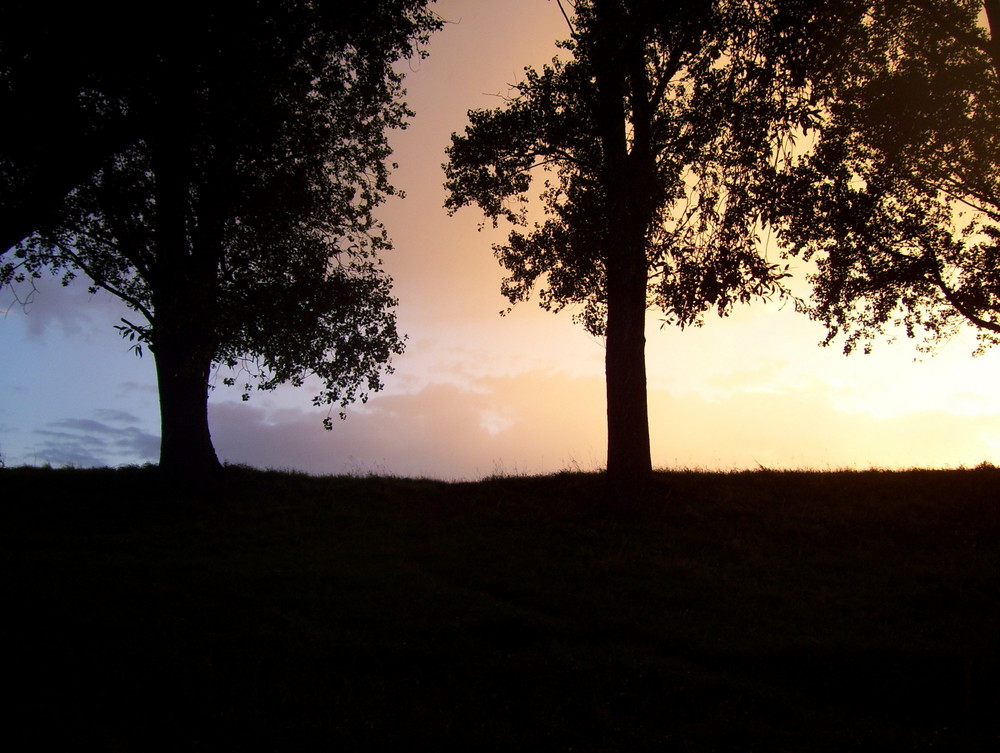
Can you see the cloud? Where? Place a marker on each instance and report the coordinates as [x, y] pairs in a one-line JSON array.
[[476, 423], [796, 429], [542, 422], [525, 424], [539, 422], [131, 388], [116, 416], [71, 309], [88, 442]]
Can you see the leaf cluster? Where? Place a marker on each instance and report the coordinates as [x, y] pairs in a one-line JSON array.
[[897, 202], [709, 97], [273, 123]]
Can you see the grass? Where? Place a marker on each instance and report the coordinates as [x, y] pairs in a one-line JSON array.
[[752, 611]]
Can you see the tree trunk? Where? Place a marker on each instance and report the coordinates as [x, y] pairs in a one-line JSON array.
[[629, 458], [185, 442], [184, 290], [626, 182]]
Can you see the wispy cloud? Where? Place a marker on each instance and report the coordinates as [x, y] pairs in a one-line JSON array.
[[114, 415], [114, 437], [71, 310], [540, 423], [442, 430]]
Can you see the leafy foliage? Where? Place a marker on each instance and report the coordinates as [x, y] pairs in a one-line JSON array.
[[241, 209], [705, 104], [61, 77], [654, 143], [897, 203]]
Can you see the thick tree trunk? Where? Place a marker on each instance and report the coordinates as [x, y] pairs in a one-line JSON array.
[[626, 181], [184, 292], [629, 458], [185, 442]]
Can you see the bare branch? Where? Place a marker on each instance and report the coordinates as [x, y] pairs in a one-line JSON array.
[[100, 282], [572, 29], [955, 300]]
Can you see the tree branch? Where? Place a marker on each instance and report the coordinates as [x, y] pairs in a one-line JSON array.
[[989, 47], [993, 19], [572, 29], [101, 283], [961, 193], [668, 71], [952, 297]]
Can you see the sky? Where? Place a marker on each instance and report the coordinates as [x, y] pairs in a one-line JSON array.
[[477, 394]]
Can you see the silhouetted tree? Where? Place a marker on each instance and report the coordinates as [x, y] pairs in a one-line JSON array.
[[898, 202], [652, 138], [228, 165], [55, 65]]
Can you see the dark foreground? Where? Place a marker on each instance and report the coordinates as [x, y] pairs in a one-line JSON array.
[[712, 612]]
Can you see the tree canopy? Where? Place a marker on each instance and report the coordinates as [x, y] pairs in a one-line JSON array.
[[55, 67], [898, 200], [631, 174], [234, 208]]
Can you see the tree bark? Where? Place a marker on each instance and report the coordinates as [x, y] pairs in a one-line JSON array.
[[626, 184], [184, 291], [186, 448], [629, 457]]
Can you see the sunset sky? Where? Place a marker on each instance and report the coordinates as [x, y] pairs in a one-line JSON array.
[[477, 393]]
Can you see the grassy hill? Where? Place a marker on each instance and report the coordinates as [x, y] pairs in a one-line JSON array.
[[764, 611]]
